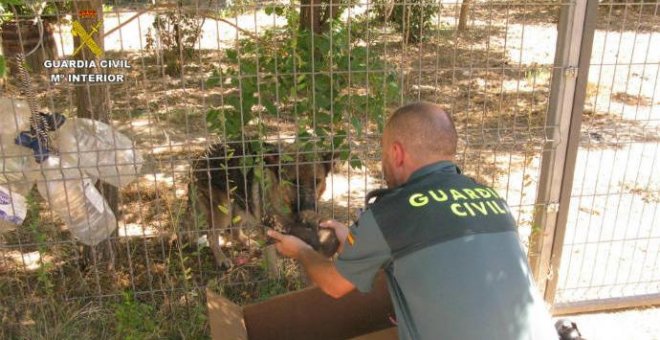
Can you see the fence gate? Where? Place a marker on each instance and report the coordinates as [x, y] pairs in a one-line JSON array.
[[600, 243]]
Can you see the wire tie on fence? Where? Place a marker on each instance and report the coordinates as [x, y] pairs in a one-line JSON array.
[[571, 72]]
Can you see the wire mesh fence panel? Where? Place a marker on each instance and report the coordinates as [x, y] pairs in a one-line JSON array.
[[246, 110], [611, 246]]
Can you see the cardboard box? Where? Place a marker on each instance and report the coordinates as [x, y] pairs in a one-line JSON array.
[[306, 314]]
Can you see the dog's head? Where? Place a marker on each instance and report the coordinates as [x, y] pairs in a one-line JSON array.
[[302, 179]]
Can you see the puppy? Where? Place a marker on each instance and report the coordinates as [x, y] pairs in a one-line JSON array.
[[307, 228]]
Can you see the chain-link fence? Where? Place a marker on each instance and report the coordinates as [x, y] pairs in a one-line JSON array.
[[610, 251], [306, 83]]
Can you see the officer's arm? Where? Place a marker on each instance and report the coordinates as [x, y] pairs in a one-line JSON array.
[[322, 271]]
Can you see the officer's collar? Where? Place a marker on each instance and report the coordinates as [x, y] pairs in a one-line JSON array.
[[446, 167]]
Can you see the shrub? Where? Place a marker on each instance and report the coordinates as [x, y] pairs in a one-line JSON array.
[[329, 83]]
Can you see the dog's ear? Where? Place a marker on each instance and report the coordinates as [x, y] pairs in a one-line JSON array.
[[272, 158], [330, 160], [271, 154]]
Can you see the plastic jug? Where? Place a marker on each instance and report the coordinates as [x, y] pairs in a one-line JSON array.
[[99, 150], [74, 198]]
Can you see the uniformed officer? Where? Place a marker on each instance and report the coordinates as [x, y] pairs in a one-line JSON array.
[[449, 246]]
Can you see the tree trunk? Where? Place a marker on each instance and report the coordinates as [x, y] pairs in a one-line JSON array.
[[464, 16], [387, 10], [310, 15], [315, 15], [22, 36], [93, 102], [92, 99]]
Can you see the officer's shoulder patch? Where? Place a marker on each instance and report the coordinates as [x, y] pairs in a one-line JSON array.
[[350, 238]]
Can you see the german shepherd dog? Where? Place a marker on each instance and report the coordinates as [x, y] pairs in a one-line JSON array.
[[237, 197]]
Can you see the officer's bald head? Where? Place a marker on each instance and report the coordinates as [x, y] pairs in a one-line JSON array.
[[424, 129], [416, 135]]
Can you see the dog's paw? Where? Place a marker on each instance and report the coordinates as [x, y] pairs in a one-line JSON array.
[[222, 261], [273, 222]]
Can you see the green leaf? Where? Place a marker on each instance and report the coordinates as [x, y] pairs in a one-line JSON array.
[[3, 67], [302, 83], [248, 67], [293, 92], [212, 115], [356, 163], [357, 124], [344, 154], [270, 107], [232, 55], [248, 87], [258, 174], [320, 131], [234, 102], [248, 102], [339, 138], [269, 10], [223, 209], [323, 102], [214, 79], [322, 118]]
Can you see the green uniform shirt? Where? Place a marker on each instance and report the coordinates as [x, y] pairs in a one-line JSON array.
[[454, 263]]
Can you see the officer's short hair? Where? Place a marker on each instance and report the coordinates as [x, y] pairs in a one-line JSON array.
[[424, 127]]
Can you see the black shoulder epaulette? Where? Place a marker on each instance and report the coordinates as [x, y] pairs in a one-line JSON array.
[[378, 193]]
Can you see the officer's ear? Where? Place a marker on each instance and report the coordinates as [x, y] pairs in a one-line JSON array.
[[398, 153]]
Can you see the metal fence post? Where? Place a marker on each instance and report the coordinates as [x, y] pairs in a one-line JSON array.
[[566, 103]]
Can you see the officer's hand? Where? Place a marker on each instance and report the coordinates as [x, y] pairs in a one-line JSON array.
[[288, 245], [341, 231]]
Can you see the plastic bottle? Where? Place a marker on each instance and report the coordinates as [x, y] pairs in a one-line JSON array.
[[74, 198], [14, 116], [14, 186], [14, 159], [99, 150]]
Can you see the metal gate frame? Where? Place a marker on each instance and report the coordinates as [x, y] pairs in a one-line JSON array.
[[564, 120]]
